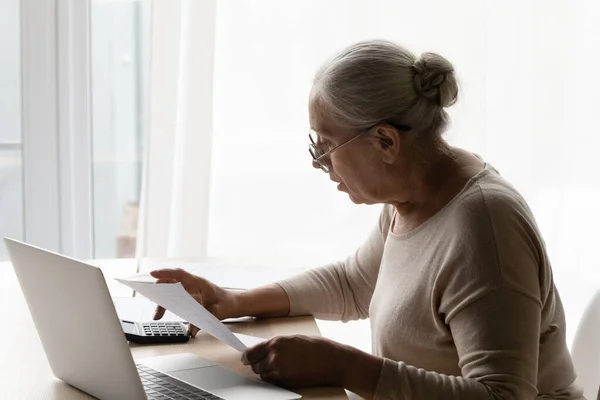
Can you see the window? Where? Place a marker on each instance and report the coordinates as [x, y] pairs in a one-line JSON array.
[[11, 175], [119, 33]]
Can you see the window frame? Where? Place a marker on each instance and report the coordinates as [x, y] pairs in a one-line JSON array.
[[56, 126], [57, 129]]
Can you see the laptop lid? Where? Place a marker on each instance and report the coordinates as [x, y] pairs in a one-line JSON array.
[[77, 322]]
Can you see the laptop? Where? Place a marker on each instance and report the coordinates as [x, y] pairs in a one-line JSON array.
[[86, 345]]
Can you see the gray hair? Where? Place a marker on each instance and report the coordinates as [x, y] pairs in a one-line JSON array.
[[378, 81]]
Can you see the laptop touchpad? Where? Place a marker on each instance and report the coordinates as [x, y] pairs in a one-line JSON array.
[[230, 385]]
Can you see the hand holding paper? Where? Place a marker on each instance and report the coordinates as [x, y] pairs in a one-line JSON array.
[[175, 298]]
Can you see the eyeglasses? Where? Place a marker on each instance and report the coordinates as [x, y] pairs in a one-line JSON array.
[[322, 157]]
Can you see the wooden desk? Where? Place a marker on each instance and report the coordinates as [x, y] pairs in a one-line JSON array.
[[24, 370]]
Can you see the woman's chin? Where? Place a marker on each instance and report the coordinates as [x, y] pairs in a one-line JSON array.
[[356, 199]]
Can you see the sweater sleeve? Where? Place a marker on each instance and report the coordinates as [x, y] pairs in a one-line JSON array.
[[342, 290], [489, 296], [496, 338]]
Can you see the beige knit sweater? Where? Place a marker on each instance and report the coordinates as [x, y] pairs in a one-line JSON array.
[[462, 307]]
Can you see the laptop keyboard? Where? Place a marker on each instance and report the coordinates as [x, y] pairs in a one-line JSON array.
[[160, 386]]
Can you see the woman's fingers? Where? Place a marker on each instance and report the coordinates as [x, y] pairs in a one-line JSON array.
[[263, 366], [193, 330], [173, 275], [256, 353], [158, 314], [169, 273], [190, 282], [272, 377]]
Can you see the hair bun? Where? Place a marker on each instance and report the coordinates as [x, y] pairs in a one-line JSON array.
[[434, 79]]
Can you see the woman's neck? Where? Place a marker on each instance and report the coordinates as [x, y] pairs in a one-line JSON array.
[[436, 176]]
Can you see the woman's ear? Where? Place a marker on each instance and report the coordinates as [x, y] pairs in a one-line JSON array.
[[389, 141], [386, 143]]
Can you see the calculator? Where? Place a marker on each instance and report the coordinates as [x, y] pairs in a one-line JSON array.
[[155, 332]]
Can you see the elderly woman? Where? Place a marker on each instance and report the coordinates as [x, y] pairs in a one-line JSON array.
[[454, 277]]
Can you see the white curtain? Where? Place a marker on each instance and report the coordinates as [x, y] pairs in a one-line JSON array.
[[529, 105], [173, 218]]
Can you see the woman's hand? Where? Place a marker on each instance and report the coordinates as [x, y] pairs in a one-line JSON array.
[[296, 361], [220, 302]]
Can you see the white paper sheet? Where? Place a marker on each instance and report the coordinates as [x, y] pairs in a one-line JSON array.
[[248, 340], [140, 309], [175, 298]]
